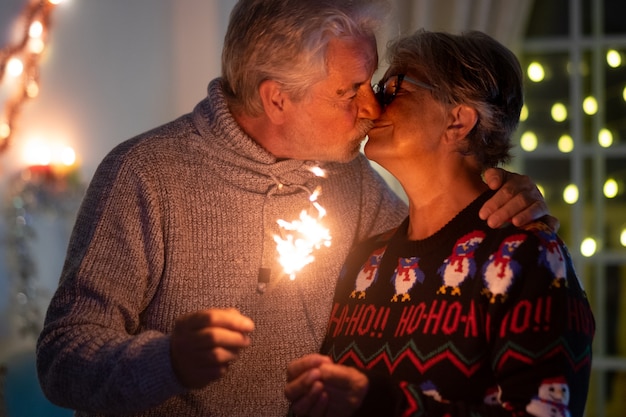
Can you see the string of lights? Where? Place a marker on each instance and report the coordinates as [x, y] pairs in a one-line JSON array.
[[20, 61]]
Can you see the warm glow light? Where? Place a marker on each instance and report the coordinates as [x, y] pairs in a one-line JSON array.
[[35, 45], [523, 116], [36, 29], [319, 172], [299, 238], [40, 152], [304, 235], [559, 112], [37, 153], [624, 93], [536, 72], [611, 188], [588, 247], [566, 143], [5, 130], [622, 237], [590, 105], [15, 67], [529, 141], [605, 138], [21, 58], [570, 194], [613, 58], [67, 156], [32, 89]]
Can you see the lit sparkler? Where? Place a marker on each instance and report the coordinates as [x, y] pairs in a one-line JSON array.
[[301, 237]]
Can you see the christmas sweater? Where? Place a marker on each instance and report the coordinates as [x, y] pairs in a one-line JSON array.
[[471, 321]]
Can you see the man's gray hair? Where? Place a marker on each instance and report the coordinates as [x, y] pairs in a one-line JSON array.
[[286, 41]]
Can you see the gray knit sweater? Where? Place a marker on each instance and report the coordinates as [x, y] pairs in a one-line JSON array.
[[181, 218]]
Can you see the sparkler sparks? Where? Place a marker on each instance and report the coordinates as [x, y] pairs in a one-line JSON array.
[[299, 238]]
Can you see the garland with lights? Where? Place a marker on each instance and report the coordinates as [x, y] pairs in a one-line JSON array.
[[43, 189], [21, 60], [36, 191]]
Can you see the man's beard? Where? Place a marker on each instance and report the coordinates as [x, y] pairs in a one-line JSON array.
[[364, 126]]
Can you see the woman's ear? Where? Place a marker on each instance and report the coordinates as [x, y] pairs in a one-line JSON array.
[[462, 120], [273, 99]]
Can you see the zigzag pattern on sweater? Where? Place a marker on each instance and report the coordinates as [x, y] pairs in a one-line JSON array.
[[560, 347], [420, 361], [448, 352]]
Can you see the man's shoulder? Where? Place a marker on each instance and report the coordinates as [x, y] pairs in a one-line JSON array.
[[163, 136]]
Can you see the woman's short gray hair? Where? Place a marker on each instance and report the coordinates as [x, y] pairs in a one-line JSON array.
[[286, 41], [473, 69]]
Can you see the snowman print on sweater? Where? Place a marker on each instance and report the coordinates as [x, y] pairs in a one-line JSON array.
[[552, 399]]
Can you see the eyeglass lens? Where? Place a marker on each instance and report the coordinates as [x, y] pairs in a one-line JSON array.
[[385, 91]]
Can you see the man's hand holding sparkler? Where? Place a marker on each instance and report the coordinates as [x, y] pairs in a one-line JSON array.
[[204, 343]]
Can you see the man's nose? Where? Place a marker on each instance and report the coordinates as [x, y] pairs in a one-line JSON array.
[[368, 105]]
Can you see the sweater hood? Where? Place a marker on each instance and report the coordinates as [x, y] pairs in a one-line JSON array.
[[238, 158]]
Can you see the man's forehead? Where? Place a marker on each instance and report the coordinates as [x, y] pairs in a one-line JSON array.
[[341, 50], [353, 62]]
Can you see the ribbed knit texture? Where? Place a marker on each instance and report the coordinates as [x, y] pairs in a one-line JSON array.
[[469, 322], [181, 218]]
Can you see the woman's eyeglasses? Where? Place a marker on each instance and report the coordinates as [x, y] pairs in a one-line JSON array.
[[385, 91]]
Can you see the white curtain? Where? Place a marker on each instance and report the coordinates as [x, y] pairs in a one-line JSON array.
[[505, 20]]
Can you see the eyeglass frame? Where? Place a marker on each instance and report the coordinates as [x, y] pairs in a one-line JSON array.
[[380, 88]]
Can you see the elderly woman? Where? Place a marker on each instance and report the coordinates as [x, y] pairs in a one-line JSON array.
[[445, 316]]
